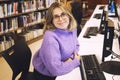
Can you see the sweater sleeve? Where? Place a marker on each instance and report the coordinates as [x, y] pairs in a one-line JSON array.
[[77, 46], [76, 41], [51, 57]]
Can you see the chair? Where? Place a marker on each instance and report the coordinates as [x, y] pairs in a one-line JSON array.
[[18, 57]]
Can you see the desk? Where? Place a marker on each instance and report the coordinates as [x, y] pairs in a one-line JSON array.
[[93, 45]]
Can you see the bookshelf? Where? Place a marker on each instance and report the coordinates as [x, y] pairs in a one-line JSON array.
[[22, 17]]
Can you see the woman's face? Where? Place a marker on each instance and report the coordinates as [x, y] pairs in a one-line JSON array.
[[60, 19]]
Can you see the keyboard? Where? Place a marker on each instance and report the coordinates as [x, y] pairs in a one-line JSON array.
[[90, 68], [91, 31]]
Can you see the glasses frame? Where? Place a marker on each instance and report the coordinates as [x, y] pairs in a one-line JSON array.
[[63, 15]]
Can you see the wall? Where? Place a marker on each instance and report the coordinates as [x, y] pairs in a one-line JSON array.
[[92, 3]]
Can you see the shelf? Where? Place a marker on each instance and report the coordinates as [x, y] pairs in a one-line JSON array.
[[23, 13], [22, 18]]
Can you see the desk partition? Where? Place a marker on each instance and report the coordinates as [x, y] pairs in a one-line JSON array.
[[93, 45]]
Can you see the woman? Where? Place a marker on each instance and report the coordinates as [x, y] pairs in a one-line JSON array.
[[58, 53]]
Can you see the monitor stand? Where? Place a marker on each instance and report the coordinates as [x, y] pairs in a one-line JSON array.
[[111, 67]]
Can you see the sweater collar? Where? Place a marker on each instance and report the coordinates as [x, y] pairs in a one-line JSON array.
[[62, 31]]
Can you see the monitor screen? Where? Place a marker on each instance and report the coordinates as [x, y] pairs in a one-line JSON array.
[[112, 9]]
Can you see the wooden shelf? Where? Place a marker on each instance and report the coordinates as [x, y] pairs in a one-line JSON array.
[[18, 14], [23, 16]]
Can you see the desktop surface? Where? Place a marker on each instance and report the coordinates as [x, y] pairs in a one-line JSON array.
[[95, 43]]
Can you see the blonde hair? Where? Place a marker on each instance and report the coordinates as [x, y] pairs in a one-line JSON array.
[[49, 17]]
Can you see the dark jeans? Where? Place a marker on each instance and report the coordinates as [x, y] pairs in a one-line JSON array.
[[38, 76]]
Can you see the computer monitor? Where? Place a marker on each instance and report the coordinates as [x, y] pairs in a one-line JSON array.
[[103, 23], [108, 41], [112, 9], [109, 4], [112, 66]]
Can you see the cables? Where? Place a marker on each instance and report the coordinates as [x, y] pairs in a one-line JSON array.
[[113, 53]]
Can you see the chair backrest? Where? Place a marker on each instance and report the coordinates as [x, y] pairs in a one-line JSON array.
[[18, 57]]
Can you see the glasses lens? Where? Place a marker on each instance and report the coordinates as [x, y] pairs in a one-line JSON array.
[[63, 15], [57, 17]]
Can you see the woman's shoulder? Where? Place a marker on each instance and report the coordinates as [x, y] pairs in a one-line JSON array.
[[74, 30], [50, 36], [49, 33]]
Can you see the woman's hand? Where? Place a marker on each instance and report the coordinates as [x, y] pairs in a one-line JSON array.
[[77, 56], [68, 60]]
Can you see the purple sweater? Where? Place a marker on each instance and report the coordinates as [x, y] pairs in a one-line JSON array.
[[57, 46]]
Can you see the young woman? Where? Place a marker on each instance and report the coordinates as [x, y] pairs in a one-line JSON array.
[[58, 53]]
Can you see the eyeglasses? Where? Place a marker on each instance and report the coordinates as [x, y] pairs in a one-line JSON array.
[[57, 17]]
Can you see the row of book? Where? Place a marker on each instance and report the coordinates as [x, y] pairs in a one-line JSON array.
[[8, 24], [6, 42], [23, 6], [32, 34], [21, 21]]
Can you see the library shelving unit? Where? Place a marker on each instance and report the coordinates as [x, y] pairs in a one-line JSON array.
[[21, 17]]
